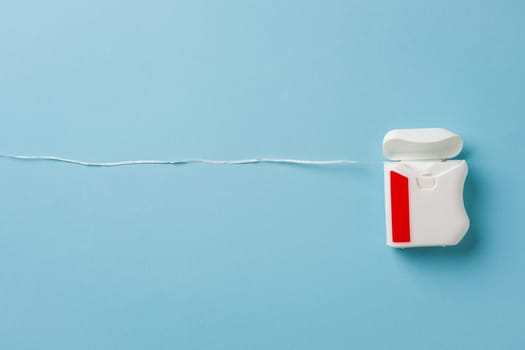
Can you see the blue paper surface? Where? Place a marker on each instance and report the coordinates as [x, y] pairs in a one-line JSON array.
[[262, 256]]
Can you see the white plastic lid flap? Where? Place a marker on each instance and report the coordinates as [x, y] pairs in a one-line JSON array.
[[421, 144]]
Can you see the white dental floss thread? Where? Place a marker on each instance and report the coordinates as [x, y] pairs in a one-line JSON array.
[[182, 162]]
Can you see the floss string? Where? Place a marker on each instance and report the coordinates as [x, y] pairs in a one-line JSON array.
[[182, 162]]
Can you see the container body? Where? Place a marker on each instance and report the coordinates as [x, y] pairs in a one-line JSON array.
[[424, 203]]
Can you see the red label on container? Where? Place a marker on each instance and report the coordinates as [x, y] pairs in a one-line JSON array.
[[400, 208]]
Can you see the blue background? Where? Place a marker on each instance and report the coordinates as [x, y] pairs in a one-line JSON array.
[[261, 256]]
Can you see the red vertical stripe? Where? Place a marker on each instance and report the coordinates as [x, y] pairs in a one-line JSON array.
[[400, 207]]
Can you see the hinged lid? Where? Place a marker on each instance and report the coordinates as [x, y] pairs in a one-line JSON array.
[[421, 144]]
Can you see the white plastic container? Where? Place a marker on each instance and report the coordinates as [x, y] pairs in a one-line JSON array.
[[423, 189]]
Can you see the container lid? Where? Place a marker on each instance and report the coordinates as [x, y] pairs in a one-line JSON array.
[[421, 144]]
